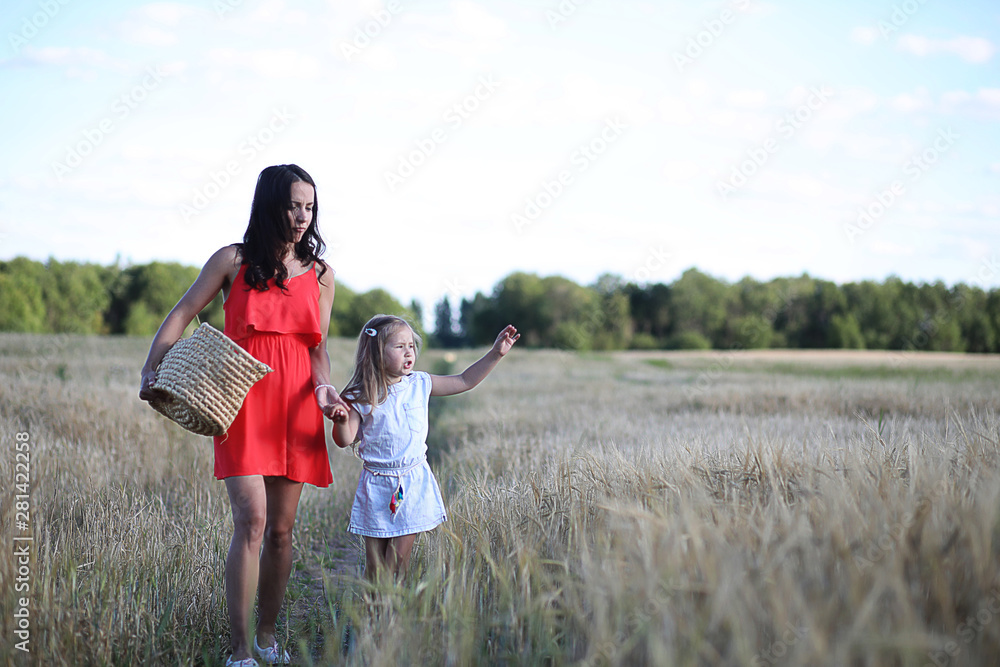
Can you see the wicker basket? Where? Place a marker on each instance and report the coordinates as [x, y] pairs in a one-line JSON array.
[[204, 379]]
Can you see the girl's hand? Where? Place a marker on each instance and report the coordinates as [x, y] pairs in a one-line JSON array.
[[328, 399], [338, 414], [505, 340]]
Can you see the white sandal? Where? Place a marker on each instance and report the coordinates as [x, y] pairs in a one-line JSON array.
[[245, 662], [271, 655]]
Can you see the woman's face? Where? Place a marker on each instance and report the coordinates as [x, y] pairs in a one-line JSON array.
[[300, 212]]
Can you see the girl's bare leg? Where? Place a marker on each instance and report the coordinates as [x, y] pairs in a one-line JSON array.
[[276, 558], [374, 556], [248, 503], [397, 555], [388, 554]]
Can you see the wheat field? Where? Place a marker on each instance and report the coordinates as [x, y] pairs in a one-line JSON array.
[[725, 508]]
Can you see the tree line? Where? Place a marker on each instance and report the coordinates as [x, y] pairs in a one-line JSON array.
[[71, 297], [696, 311]]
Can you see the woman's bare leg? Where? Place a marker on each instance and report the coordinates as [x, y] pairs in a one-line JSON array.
[[276, 558], [248, 503]]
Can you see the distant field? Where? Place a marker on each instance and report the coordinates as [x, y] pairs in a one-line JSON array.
[[677, 508]]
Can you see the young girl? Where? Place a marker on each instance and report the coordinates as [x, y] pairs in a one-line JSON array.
[[397, 494]]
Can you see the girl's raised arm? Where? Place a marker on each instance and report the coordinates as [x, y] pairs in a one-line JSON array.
[[448, 385]]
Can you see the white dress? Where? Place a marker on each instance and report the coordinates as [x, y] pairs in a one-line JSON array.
[[393, 446]]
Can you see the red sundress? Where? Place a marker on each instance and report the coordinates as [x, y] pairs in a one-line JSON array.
[[279, 429]]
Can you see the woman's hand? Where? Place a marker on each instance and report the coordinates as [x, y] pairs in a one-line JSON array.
[[146, 390], [329, 400], [505, 340]]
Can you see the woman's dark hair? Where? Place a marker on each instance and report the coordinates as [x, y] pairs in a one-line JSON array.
[[268, 231]]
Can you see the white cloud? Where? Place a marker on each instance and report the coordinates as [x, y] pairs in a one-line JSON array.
[[81, 62], [155, 24], [476, 22], [970, 49], [814, 190], [467, 32], [985, 103], [65, 56], [747, 99], [268, 63], [166, 13], [676, 110], [990, 96], [919, 100], [864, 35], [379, 57], [270, 12], [892, 249]]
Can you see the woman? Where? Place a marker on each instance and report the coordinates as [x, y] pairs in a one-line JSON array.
[[278, 295]]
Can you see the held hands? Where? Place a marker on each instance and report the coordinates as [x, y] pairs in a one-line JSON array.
[[505, 340], [337, 414], [330, 402]]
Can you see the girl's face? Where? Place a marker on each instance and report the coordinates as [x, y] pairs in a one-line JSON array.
[[300, 212], [400, 354]]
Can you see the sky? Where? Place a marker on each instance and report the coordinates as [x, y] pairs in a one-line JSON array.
[[455, 142]]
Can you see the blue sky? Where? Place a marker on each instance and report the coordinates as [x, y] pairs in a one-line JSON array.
[[456, 142]]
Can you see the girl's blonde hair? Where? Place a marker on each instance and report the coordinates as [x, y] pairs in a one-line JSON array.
[[370, 383]]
